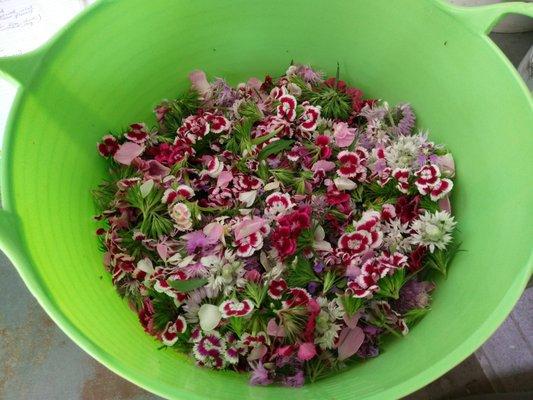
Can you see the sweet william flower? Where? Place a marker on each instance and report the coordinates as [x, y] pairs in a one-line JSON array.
[[127, 152], [108, 146], [182, 217], [433, 230], [343, 134]]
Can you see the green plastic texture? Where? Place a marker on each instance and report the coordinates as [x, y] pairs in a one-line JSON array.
[[112, 64]]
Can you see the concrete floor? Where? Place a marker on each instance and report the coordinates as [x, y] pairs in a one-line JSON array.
[[37, 361]]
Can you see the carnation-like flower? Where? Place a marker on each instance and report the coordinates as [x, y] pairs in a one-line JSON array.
[[181, 215], [343, 134], [433, 230]]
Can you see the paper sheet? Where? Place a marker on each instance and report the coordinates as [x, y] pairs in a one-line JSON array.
[[24, 26]]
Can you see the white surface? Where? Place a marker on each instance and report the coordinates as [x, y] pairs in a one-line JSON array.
[[24, 26]]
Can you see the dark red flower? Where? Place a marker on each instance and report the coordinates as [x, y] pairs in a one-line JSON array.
[[146, 316], [407, 208], [108, 146], [415, 258]]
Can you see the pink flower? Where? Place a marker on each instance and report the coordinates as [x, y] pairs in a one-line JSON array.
[[224, 178], [297, 297], [138, 133], [306, 351], [199, 82], [402, 176], [277, 204], [170, 335], [350, 340], [108, 146], [274, 329], [287, 108], [249, 235], [353, 164], [309, 118], [233, 308], [429, 182], [344, 135], [155, 170], [276, 288], [182, 192], [127, 152], [193, 128], [217, 122]]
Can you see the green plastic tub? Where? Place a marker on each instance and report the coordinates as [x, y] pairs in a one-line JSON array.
[[116, 61]]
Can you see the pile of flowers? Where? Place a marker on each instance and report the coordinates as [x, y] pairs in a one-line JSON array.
[[281, 227]]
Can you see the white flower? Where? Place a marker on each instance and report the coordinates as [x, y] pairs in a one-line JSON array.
[[181, 215], [433, 230], [319, 243], [344, 183], [326, 339], [146, 187], [403, 153], [396, 236], [248, 198], [209, 316]]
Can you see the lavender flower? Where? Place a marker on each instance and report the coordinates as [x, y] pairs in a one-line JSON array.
[[406, 121], [259, 375], [223, 95], [414, 294]]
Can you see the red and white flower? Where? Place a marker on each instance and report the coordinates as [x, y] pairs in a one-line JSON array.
[[393, 261], [138, 133], [245, 183], [277, 288], [402, 176], [287, 107], [428, 181], [108, 146], [217, 122], [309, 118], [194, 127], [182, 192], [277, 204], [249, 234], [234, 308], [278, 92], [171, 332], [296, 297], [353, 164], [214, 167]]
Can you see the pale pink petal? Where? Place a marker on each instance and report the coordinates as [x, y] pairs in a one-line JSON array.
[[162, 250], [127, 152], [445, 204], [214, 231], [306, 351], [254, 83], [156, 170], [273, 329], [247, 227], [199, 82], [323, 165], [351, 322], [224, 178], [257, 352], [350, 340]]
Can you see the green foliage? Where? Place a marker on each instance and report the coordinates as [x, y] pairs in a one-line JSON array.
[[274, 148], [262, 171], [306, 239], [390, 285], [188, 285], [164, 310], [180, 108], [256, 292], [321, 366], [428, 204], [250, 111], [334, 104], [300, 273], [293, 320], [439, 260], [240, 139], [104, 194], [129, 290], [134, 248], [329, 280], [411, 317], [238, 325], [351, 304], [283, 175], [153, 220]]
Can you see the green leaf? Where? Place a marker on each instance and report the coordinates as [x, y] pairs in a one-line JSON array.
[[164, 310], [187, 285], [351, 304], [274, 148], [301, 273], [411, 317], [283, 175], [440, 260], [238, 325], [262, 171], [264, 138], [250, 111], [256, 292], [390, 285], [334, 104], [428, 204]]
